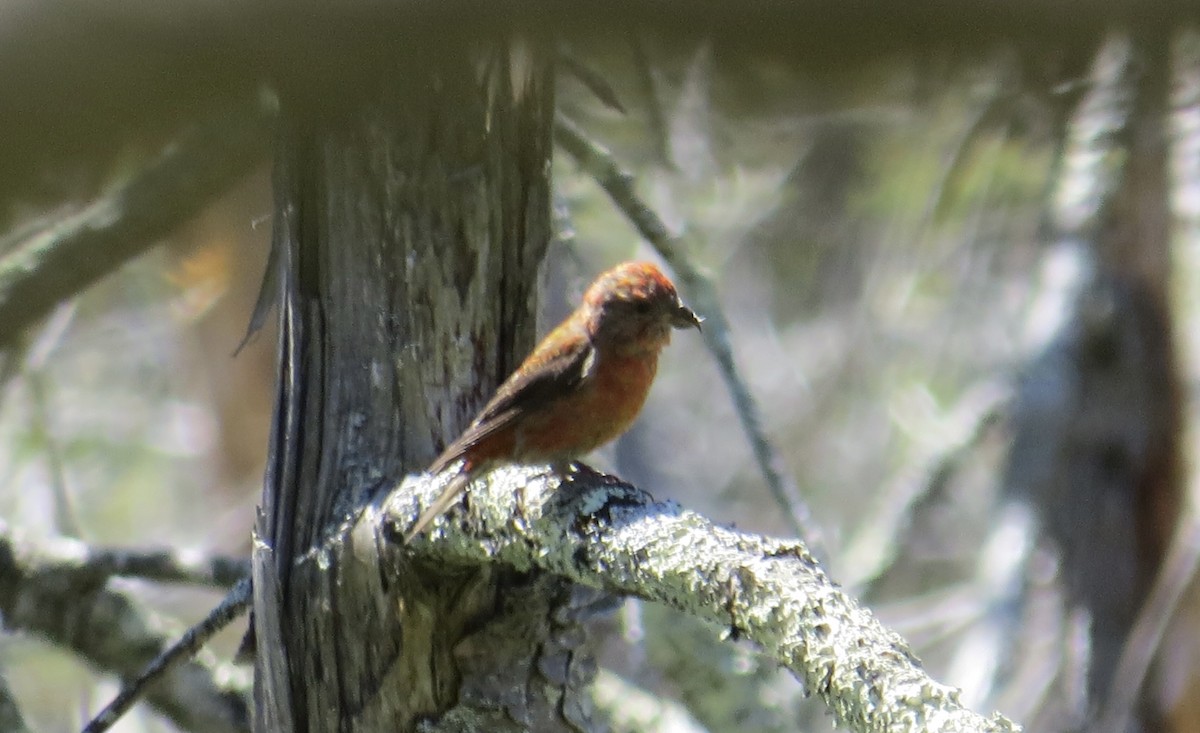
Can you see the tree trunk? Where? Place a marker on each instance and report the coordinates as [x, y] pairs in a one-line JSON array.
[[1097, 438], [411, 217]]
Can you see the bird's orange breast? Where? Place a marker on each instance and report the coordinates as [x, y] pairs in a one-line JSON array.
[[603, 407]]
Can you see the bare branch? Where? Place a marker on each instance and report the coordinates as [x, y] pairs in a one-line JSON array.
[[50, 588], [595, 530], [702, 294], [98, 564], [170, 566], [59, 261]]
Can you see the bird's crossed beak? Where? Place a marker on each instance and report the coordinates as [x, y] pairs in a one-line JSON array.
[[685, 317]]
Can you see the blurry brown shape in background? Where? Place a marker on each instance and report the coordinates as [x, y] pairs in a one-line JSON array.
[[218, 260]]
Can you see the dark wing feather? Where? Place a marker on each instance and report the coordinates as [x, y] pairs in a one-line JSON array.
[[543, 378]]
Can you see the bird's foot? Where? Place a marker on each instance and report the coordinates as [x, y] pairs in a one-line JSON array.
[[579, 469]]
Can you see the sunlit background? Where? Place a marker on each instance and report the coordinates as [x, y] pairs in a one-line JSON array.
[[884, 239]]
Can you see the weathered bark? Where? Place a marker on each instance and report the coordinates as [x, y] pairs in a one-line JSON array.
[[411, 217]]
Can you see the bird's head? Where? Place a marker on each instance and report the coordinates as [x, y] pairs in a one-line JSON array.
[[634, 306]]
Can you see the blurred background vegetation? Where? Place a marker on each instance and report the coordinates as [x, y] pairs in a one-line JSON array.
[[886, 236]]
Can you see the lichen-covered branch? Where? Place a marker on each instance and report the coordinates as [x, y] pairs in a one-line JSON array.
[[598, 531], [49, 588]]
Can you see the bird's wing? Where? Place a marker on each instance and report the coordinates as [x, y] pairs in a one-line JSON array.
[[548, 374]]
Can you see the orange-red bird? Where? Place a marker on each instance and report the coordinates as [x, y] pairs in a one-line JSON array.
[[581, 387]]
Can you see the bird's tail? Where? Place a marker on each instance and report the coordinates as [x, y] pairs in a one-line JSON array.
[[457, 485]]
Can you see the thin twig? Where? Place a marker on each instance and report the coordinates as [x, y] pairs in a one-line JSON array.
[[600, 164], [66, 518], [226, 611], [590, 78]]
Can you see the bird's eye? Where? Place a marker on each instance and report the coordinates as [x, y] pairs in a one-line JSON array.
[[642, 306]]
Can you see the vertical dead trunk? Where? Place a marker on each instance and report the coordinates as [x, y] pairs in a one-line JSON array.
[[411, 216], [1097, 448]]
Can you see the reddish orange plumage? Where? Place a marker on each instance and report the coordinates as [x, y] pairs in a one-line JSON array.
[[581, 387]]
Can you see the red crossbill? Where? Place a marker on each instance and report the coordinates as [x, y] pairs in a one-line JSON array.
[[580, 388]]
